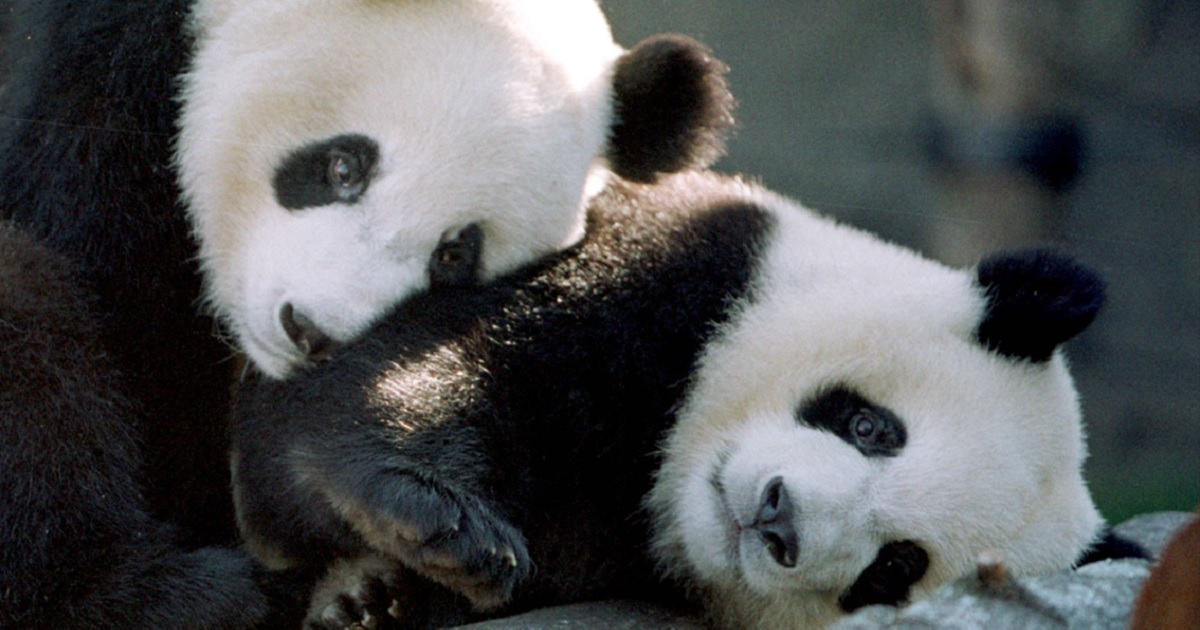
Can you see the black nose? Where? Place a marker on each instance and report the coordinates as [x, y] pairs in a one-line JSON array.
[[311, 341], [775, 524], [455, 262]]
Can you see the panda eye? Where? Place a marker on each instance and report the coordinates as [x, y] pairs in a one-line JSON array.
[[863, 426], [873, 430], [336, 170], [345, 173], [343, 169]]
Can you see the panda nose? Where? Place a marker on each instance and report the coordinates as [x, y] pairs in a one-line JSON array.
[[311, 340], [775, 526]]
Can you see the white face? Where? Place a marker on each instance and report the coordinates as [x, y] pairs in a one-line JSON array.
[[328, 147], [770, 499]]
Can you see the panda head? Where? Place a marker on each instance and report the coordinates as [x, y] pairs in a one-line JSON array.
[[338, 155], [869, 424]]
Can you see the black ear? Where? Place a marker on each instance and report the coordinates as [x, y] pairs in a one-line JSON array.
[[1036, 300], [673, 108]]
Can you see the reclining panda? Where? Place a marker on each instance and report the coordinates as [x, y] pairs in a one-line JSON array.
[[717, 395]]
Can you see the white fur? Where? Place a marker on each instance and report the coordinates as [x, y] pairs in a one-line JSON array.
[[993, 456], [488, 111]]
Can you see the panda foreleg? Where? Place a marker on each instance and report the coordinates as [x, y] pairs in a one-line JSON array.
[[415, 515]]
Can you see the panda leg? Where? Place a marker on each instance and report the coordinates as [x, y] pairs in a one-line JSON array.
[[451, 537]]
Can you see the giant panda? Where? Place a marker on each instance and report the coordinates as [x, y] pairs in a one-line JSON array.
[[717, 397], [327, 188], [400, 135]]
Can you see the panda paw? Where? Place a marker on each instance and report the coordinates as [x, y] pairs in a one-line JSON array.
[[452, 539], [355, 594], [373, 592]]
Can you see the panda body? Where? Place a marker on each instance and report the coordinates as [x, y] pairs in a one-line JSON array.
[[85, 154], [131, 130], [79, 548], [681, 390]]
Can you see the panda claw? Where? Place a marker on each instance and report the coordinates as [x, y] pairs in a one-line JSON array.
[[990, 568]]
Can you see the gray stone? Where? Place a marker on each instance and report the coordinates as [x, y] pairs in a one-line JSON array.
[[1153, 531], [607, 615]]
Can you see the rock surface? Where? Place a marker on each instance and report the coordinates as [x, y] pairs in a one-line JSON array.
[[610, 615]]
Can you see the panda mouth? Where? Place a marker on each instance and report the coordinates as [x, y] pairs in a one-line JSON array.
[[889, 578]]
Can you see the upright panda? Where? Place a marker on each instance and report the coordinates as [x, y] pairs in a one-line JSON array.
[[716, 394], [371, 144]]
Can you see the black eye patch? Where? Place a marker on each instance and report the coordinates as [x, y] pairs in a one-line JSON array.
[[336, 170], [873, 430]]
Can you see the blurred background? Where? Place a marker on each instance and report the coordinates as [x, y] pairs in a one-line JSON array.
[[960, 126]]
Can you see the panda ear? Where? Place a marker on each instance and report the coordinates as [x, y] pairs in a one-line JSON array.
[[1036, 300], [672, 108]]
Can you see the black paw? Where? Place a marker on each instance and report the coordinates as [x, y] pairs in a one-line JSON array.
[[888, 579], [1111, 546], [377, 593], [450, 538], [355, 594]]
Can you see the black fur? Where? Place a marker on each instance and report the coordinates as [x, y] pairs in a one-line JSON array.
[[422, 440], [86, 125], [115, 410], [1112, 546], [71, 482], [673, 108], [1036, 300], [889, 578], [457, 258], [114, 406]]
